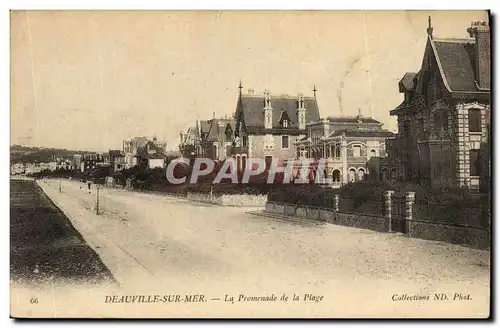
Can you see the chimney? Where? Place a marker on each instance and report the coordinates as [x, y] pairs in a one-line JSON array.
[[301, 112], [481, 33], [198, 128], [268, 110]]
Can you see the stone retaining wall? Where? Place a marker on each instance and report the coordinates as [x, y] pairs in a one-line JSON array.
[[243, 200], [229, 200], [357, 220], [361, 220], [467, 236]]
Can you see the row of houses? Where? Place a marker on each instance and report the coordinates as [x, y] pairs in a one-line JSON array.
[[77, 162], [29, 168], [289, 127], [136, 151], [443, 134]]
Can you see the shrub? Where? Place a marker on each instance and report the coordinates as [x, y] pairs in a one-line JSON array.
[[367, 196], [306, 194]]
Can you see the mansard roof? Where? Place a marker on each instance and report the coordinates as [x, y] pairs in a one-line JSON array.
[[351, 119], [205, 126], [360, 133], [253, 105]]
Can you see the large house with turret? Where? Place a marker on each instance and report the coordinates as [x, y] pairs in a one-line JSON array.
[[267, 126], [444, 119]]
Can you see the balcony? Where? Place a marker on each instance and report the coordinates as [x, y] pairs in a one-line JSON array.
[[362, 159], [239, 150]]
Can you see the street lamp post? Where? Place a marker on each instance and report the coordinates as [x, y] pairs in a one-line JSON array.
[[97, 203]]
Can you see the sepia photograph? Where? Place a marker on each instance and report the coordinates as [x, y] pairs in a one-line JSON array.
[[250, 164]]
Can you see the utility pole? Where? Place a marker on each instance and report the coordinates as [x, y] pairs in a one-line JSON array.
[[97, 205]]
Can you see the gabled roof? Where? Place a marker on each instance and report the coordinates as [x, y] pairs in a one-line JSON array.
[[217, 129], [456, 66], [253, 105], [456, 62], [191, 136], [191, 131], [362, 133]]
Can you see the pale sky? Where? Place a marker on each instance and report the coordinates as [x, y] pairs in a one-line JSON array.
[[89, 79]]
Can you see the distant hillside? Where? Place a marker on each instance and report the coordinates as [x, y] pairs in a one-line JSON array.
[[39, 154]]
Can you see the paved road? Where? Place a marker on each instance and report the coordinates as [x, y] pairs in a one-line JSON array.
[[44, 246], [153, 243]]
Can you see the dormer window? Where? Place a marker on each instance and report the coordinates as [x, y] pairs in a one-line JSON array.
[[284, 120]]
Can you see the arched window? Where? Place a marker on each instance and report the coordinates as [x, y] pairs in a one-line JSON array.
[[361, 174], [356, 151], [352, 175], [373, 153], [336, 175]]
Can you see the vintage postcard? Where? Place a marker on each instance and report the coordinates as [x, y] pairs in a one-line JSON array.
[[250, 164]]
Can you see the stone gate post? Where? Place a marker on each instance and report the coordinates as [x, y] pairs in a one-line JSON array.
[[336, 199], [409, 200], [388, 207]]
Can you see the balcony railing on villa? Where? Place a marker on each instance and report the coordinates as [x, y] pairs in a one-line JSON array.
[[239, 150], [357, 158]]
